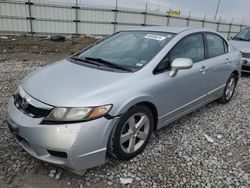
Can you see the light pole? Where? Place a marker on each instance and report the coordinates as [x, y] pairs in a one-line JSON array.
[[218, 5]]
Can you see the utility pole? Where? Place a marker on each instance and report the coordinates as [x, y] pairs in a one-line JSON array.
[[217, 8]]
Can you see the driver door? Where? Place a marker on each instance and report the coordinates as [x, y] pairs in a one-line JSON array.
[[188, 89]]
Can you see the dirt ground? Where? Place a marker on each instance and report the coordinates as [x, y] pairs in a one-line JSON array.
[[179, 155], [41, 48]]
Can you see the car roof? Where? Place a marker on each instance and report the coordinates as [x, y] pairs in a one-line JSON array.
[[165, 29], [162, 29]]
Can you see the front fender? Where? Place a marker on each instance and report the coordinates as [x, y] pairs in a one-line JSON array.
[[130, 102], [118, 110]]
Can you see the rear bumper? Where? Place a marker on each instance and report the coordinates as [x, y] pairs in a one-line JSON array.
[[74, 146]]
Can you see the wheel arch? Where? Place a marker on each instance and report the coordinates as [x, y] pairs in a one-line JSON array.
[[149, 104], [144, 100], [152, 108], [237, 74]]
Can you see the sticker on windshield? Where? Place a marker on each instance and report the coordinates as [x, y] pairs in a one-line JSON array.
[[139, 64], [155, 37]]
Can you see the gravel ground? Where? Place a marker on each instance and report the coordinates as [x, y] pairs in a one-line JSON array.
[[207, 148]]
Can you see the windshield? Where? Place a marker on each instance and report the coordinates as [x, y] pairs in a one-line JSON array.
[[131, 49], [243, 35]]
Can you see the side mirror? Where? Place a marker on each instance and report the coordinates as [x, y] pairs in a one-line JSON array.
[[178, 64]]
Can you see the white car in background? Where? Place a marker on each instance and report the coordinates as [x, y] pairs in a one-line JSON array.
[[241, 42]]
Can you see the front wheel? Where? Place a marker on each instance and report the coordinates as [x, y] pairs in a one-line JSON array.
[[229, 89], [132, 133]]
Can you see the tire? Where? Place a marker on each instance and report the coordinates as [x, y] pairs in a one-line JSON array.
[[229, 89], [131, 135]]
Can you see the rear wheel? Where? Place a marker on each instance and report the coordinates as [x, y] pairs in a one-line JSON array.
[[132, 133], [229, 89]]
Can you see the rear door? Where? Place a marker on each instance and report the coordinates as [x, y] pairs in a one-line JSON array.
[[218, 62]]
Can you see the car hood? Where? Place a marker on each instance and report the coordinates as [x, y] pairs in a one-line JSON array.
[[68, 84], [243, 46]]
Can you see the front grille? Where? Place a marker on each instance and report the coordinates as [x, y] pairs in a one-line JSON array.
[[246, 55], [246, 68], [29, 109]]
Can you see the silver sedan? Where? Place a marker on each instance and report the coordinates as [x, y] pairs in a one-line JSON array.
[[112, 95]]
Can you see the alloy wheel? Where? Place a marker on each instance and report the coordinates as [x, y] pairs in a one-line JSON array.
[[134, 133], [230, 88]]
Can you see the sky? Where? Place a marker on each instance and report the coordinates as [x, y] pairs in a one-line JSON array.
[[238, 10]]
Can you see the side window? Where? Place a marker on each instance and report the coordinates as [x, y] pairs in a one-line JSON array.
[[215, 45], [163, 65], [190, 47]]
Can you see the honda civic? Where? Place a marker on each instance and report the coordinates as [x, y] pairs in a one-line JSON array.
[[109, 97]]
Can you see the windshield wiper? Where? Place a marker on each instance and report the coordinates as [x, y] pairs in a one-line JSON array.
[[76, 58], [107, 63], [239, 38]]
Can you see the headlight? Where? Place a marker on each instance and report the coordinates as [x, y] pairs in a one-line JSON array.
[[62, 114]]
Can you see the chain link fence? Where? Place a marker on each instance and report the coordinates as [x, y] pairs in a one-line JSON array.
[[46, 18]]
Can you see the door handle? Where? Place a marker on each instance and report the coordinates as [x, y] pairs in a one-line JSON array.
[[227, 61], [203, 69]]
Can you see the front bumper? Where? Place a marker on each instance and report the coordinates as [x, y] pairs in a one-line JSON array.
[[245, 65], [75, 146]]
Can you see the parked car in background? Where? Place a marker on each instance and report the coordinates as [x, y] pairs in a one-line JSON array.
[[241, 42], [112, 95]]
